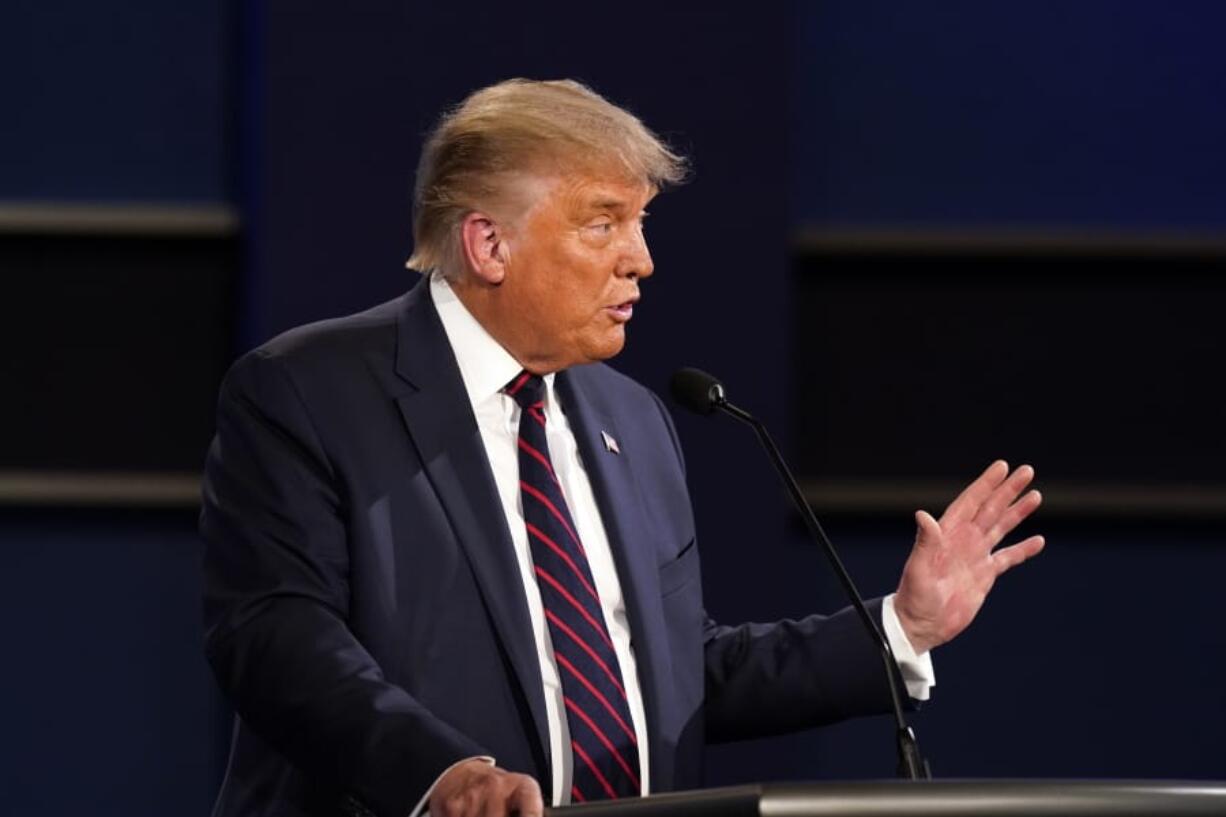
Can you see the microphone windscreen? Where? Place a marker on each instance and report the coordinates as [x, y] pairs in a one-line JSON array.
[[695, 390]]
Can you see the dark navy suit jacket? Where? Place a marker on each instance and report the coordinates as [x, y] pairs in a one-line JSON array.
[[364, 610]]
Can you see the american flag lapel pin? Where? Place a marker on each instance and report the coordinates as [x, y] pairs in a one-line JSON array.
[[610, 444]]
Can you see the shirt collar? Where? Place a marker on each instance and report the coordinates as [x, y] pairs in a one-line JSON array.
[[485, 366]]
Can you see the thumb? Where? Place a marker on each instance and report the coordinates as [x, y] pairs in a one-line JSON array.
[[928, 530]]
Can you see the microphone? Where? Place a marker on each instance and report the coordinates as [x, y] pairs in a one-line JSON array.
[[703, 394]]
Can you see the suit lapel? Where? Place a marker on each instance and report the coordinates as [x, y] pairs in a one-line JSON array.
[[621, 510], [439, 419]]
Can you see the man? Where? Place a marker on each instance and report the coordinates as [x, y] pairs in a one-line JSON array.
[[451, 559]]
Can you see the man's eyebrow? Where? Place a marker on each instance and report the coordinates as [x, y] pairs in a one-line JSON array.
[[607, 203]]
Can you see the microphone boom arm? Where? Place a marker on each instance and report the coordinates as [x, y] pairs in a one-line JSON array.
[[911, 764]]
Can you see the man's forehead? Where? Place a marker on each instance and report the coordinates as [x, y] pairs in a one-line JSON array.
[[600, 193], [579, 193]]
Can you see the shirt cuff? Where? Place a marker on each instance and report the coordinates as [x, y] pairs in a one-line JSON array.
[[420, 809], [915, 668]]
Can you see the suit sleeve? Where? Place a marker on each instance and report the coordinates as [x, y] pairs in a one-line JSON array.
[[276, 600], [768, 679]]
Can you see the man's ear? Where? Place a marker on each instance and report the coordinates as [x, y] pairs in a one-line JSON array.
[[484, 246]]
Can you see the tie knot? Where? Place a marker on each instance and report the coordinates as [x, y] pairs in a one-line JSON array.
[[527, 389]]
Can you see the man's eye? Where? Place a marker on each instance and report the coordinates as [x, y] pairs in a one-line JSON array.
[[601, 228]]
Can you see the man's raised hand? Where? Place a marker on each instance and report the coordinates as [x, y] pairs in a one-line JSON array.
[[955, 562]]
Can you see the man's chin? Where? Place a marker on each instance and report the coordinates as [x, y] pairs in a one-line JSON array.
[[608, 346]]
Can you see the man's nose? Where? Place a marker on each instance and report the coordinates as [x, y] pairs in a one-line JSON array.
[[636, 259]]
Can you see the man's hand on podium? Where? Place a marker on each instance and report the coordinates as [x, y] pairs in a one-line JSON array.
[[476, 788]]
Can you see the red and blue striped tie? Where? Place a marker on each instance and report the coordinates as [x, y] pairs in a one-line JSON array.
[[604, 747]]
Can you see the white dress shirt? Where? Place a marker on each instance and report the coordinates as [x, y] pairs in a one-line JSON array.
[[486, 367]]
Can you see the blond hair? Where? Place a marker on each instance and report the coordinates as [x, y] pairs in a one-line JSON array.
[[523, 126]]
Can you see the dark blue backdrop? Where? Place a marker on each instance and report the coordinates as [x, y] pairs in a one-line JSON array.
[[1066, 116]]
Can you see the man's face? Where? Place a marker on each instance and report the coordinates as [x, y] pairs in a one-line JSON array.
[[573, 265]]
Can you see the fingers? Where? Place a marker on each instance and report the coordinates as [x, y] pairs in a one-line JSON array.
[[1013, 516], [969, 501], [526, 798], [1014, 555], [479, 789], [1001, 498]]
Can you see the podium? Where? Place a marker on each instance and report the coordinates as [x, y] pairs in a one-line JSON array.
[[945, 798]]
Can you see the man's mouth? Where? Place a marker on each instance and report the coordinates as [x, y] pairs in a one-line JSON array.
[[624, 311]]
